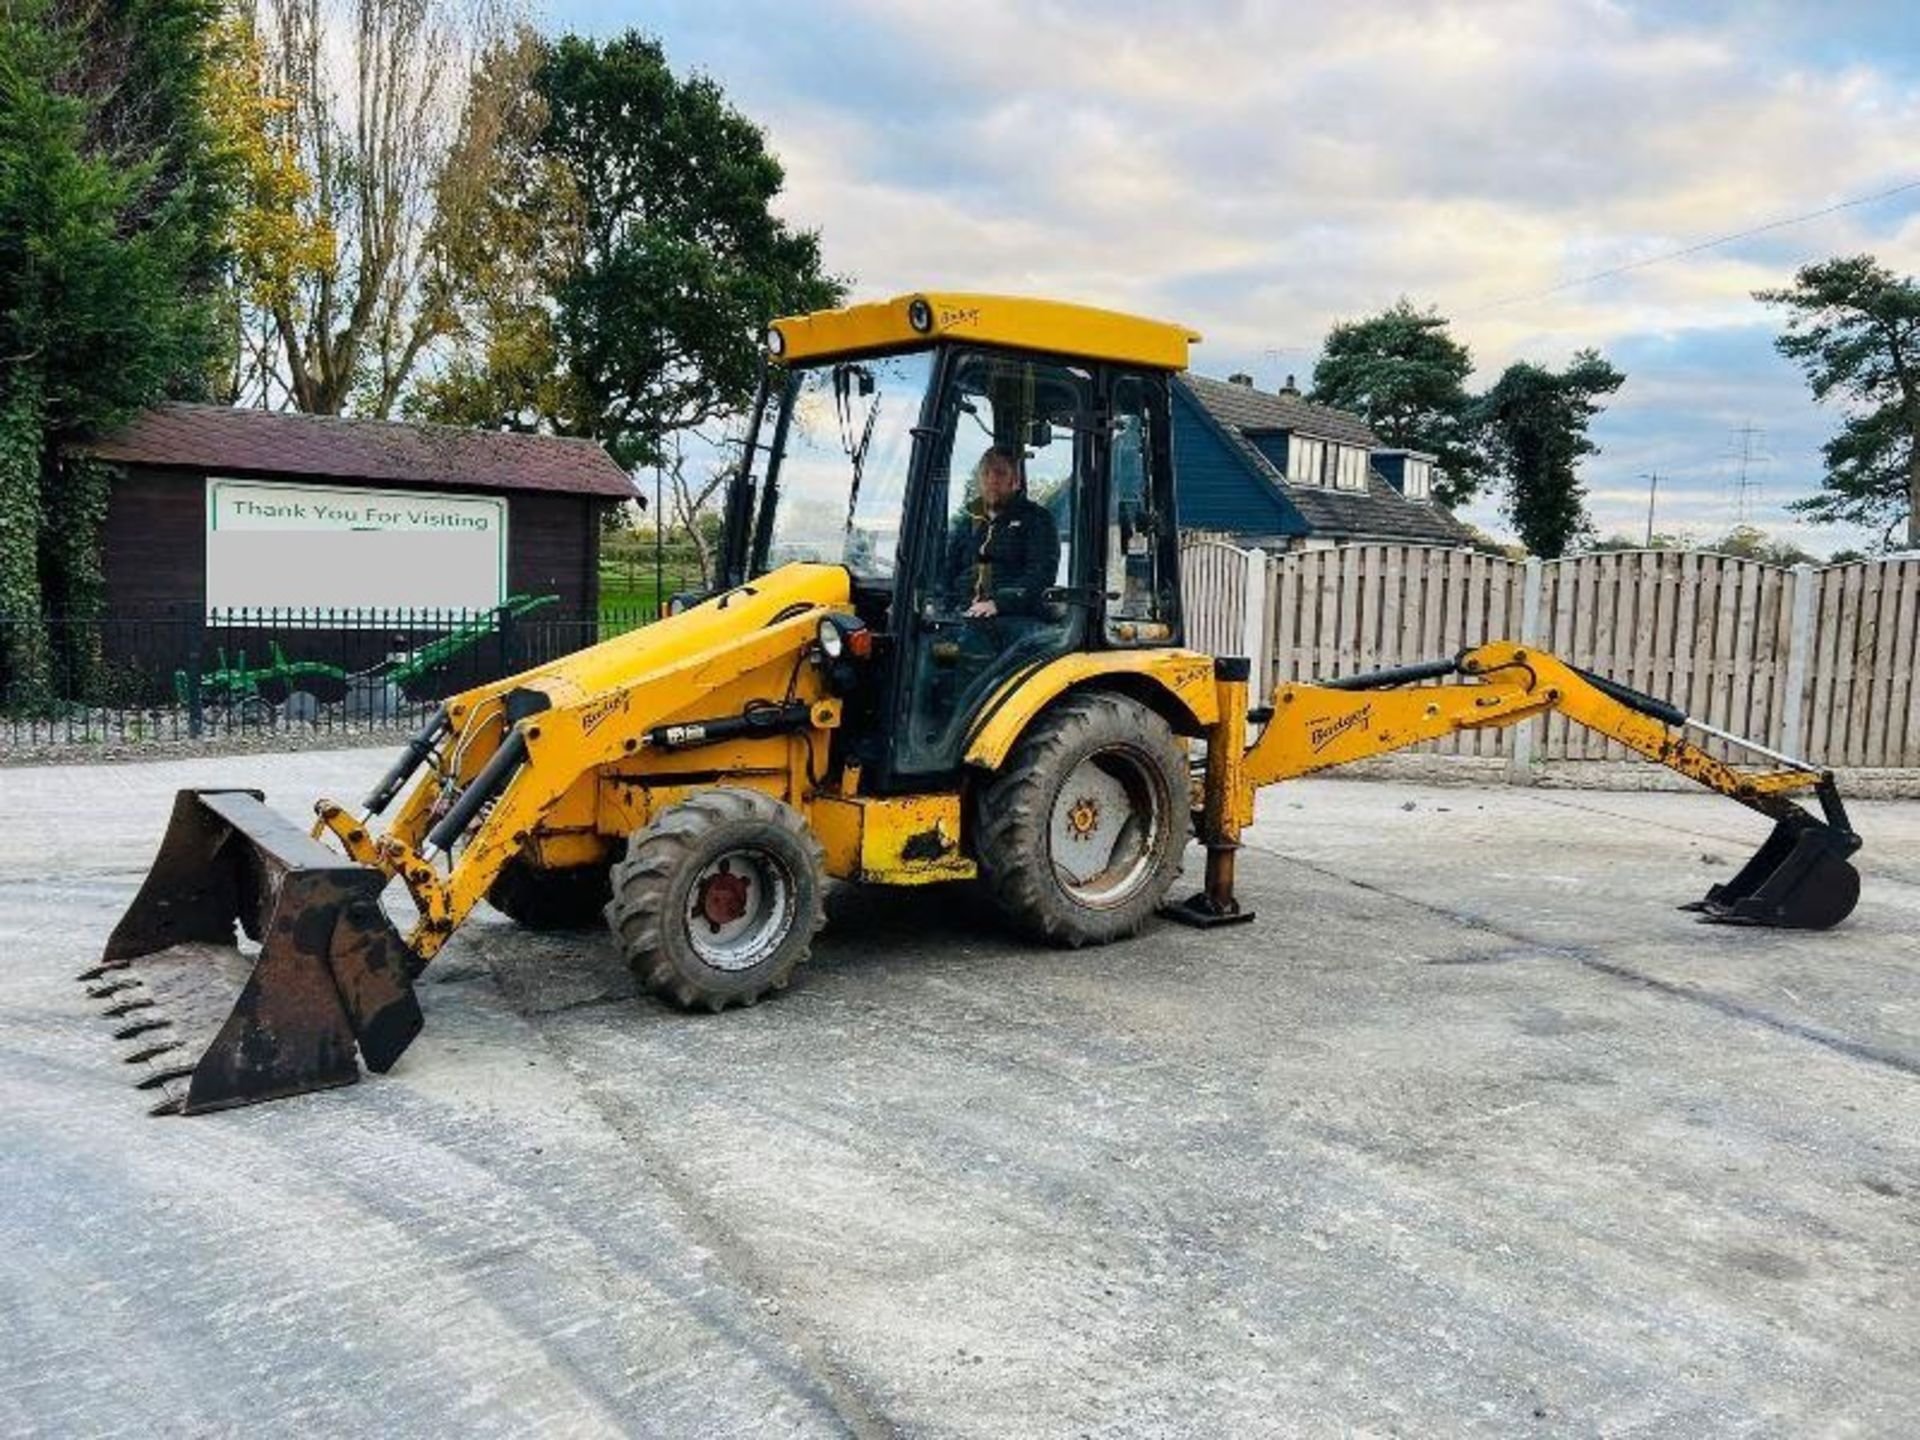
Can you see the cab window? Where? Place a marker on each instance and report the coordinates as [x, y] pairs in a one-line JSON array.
[[842, 474], [1140, 595]]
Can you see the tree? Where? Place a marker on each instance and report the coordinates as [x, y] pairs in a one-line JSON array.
[[1618, 542], [349, 206], [1406, 376], [1750, 542], [112, 194], [1854, 328], [503, 368], [1536, 434], [656, 264]]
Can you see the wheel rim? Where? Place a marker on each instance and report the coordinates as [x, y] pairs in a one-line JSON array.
[[739, 909], [1106, 826]]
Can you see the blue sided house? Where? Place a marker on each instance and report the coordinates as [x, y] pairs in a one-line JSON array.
[[1275, 471]]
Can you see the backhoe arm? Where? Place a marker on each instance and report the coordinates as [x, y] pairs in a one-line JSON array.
[[1799, 879]]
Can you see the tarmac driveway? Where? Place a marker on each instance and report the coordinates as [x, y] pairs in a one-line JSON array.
[[1470, 1132]]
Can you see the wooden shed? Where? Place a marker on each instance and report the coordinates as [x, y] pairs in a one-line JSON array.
[[216, 510]]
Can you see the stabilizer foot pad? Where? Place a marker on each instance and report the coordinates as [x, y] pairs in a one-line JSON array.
[[1202, 914]]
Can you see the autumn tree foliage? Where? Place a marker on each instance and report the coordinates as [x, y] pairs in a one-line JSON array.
[[635, 255]]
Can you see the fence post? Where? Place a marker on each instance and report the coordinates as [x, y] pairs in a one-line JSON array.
[[196, 715], [1520, 738], [1799, 660], [503, 618], [1253, 622]]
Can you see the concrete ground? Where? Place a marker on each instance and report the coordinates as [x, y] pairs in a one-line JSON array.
[[1470, 1133]]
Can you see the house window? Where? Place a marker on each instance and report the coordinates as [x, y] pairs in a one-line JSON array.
[[1349, 467], [1304, 467], [1417, 479]]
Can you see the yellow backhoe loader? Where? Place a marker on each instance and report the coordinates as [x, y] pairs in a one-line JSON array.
[[947, 644]]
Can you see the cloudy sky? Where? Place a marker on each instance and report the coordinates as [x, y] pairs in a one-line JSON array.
[[1260, 171]]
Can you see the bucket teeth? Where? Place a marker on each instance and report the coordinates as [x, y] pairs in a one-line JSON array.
[[139, 1028], [162, 1077], [112, 987], [126, 1007], [105, 968], [148, 1052]]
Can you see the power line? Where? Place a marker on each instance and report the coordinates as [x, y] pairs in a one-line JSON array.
[[1702, 245]]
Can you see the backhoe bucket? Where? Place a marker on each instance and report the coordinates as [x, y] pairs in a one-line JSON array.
[[217, 1029], [1800, 879]]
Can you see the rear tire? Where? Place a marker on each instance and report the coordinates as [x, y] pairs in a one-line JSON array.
[[1081, 832], [569, 899], [718, 899]]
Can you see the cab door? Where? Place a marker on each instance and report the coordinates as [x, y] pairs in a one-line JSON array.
[[1028, 555]]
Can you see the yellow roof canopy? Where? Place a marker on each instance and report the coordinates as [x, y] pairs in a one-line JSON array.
[[1049, 325]]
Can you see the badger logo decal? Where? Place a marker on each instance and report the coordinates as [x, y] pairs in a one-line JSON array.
[[595, 714], [1322, 733]]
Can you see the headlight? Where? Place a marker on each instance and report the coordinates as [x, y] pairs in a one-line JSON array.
[[776, 342], [920, 316], [833, 640]]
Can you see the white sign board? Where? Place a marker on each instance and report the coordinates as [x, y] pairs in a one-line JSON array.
[[311, 547]]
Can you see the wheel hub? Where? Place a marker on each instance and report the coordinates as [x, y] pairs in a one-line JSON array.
[[1105, 827], [739, 908], [1083, 818], [722, 898]]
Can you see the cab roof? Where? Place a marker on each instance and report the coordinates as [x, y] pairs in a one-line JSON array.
[[1053, 326]]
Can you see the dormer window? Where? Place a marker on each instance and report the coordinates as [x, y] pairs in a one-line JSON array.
[[1349, 467], [1417, 479], [1306, 460], [1313, 461]]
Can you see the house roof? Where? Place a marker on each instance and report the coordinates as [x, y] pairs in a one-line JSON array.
[[1379, 512], [217, 438], [1251, 410]]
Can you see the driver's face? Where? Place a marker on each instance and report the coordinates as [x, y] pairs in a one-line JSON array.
[[997, 484]]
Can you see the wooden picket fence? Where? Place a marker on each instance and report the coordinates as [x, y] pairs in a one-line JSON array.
[[1823, 662]]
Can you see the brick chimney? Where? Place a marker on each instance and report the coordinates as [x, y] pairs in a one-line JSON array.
[[1290, 390], [1240, 377]]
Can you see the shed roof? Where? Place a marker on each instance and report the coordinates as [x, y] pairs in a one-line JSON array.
[[219, 439]]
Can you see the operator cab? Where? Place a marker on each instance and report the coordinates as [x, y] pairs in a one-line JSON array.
[[883, 441]]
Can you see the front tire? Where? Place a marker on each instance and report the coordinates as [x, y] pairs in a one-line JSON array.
[[1081, 832], [537, 899], [718, 899]]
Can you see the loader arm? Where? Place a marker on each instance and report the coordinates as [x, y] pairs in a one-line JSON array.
[[495, 768], [508, 754], [1799, 879]]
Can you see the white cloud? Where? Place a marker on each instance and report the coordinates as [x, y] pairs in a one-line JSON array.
[[1259, 171]]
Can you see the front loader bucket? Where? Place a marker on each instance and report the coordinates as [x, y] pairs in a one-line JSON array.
[[217, 1029]]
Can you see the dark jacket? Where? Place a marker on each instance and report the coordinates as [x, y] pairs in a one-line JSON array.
[[1011, 559]]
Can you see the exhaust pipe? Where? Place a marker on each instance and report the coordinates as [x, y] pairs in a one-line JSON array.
[[216, 1030]]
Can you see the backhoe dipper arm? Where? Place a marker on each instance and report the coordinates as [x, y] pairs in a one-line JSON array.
[[1800, 878]]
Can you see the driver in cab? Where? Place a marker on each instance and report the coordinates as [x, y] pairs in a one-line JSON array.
[[1004, 551]]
